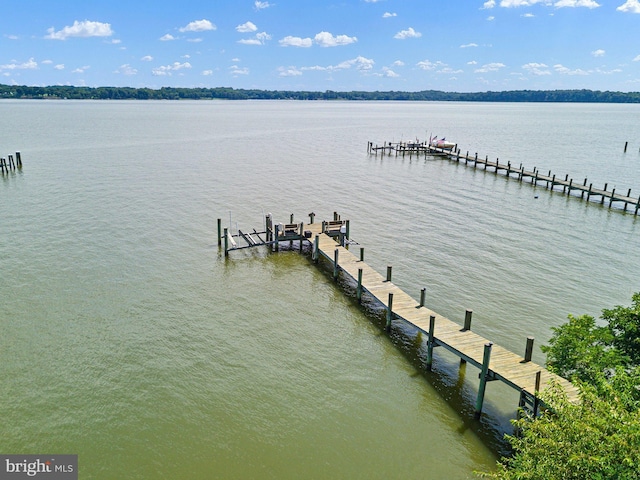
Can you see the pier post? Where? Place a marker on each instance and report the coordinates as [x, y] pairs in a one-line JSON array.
[[584, 185], [430, 341], [497, 165], [359, 288], [613, 192], [389, 313], [335, 264], [301, 235], [226, 242], [566, 178], [625, 146], [528, 352], [423, 294], [553, 181], [536, 400], [467, 319], [219, 232], [277, 235], [486, 160], [626, 203], [312, 217], [18, 160], [589, 192], [362, 254], [389, 273], [605, 189], [316, 249], [483, 379]]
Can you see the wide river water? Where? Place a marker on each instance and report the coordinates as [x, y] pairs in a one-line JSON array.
[[128, 339]]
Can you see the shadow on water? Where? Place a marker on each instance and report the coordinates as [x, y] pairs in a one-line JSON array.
[[455, 382]]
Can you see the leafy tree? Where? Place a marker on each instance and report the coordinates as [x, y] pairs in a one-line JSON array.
[[599, 437]]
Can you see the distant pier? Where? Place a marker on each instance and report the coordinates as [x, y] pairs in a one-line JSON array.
[[586, 190], [9, 164], [329, 241]]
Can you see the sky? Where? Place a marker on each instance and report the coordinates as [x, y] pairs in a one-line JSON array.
[[316, 45]]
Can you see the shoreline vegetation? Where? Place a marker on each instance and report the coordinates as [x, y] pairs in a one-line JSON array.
[[227, 93]]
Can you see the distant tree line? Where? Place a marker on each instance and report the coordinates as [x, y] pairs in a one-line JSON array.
[[226, 93]]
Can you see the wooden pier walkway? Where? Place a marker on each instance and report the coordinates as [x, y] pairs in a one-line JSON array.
[[494, 361], [550, 181]]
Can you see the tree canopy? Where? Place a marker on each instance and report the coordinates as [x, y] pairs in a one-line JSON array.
[[227, 93], [599, 437]]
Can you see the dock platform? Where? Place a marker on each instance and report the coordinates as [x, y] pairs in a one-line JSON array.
[[330, 241]]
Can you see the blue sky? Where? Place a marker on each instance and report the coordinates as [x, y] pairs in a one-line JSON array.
[[411, 45]]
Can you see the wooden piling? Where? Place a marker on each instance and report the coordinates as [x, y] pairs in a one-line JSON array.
[[335, 264], [226, 242], [312, 217], [528, 352], [423, 294], [219, 232], [316, 249], [359, 288], [483, 379], [18, 160], [625, 146], [362, 254], [389, 273], [389, 312], [536, 398], [430, 342], [467, 320]]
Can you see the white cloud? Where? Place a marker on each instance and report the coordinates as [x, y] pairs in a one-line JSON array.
[[469, 45], [490, 67], [528, 15], [60, 66], [537, 69], [167, 38], [598, 53], [198, 26], [408, 33], [81, 29], [81, 69], [296, 42], [261, 5], [166, 70], [289, 72], [472, 62], [207, 73], [259, 39], [147, 58], [246, 27], [491, 18], [631, 6], [31, 64], [489, 4], [389, 15], [637, 59], [398, 63], [387, 72], [428, 65], [567, 71], [12, 37], [576, 3], [235, 70], [126, 69], [326, 39]]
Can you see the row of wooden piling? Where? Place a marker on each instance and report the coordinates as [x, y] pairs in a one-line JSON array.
[[9, 164], [550, 181]]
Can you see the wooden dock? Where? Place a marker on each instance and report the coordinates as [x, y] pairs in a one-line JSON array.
[[550, 181], [330, 241]]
